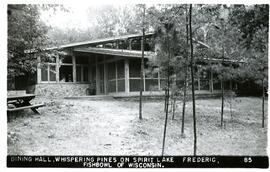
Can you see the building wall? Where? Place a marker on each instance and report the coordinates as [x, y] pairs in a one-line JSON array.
[[57, 90]]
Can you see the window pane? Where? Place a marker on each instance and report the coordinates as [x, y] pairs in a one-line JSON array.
[[112, 86], [99, 57], [204, 84], [136, 45], [134, 68], [94, 74], [111, 70], [120, 69], [151, 84], [101, 87], [85, 74], [44, 73], [227, 85], [121, 85], [78, 73], [52, 73], [134, 84], [163, 83], [81, 60], [65, 73], [101, 71], [151, 72], [66, 59], [217, 84]]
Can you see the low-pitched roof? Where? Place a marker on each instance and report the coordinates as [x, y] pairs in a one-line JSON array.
[[92, 42], [104, 40]]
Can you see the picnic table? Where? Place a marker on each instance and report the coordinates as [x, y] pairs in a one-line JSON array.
[[20, 102]]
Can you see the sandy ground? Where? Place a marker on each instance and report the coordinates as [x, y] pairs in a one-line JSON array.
[[112, 127]]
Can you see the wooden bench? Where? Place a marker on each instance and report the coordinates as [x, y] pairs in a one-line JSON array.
[[21, 102], [25, 107], [12, 101]]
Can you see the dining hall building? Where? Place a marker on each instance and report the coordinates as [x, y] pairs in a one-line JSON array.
[[108, 66]]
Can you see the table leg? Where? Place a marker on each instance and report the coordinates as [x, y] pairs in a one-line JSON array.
[[35, 110], [27, 103]]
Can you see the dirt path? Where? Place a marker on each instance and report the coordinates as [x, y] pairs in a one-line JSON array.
[[82, 127]]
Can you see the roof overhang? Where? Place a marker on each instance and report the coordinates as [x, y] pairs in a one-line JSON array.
[[115, 52], [220, 60]]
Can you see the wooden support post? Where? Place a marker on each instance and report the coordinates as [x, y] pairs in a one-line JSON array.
[[130, 44], [126, 76], [48, 73], [97, 77], [105, 76], [89, 70], [117, 44], [73, 67], [116, 78], [38, 69], [57, 67]]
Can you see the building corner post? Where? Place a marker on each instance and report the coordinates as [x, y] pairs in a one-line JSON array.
[[57, 67], [127, 88], [38, 68], [97, 76], [73, 67]]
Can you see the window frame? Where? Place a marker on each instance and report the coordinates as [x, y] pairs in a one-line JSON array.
[[82, 73], [48, 73]]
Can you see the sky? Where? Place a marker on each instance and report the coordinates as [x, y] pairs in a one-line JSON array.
[[77, 17]]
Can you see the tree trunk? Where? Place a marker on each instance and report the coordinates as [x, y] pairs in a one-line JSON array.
[[173, 107], [222, 83], [185, 79], [167, 101], [263, 97], [166, 112], [184, 104], [192, 82], [222, 102], [142, 66], [231, 108]]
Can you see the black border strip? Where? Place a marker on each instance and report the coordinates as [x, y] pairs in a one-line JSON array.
[[139, 161]]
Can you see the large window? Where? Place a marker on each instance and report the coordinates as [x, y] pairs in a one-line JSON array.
[[66, 69], [85, 74], [150, 82], [82, 74], [112, 77], [202, 78], [82, 60], [48, 70], [66, 73], [51, 72], [78, 73], [82, 69], [116, 76]]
